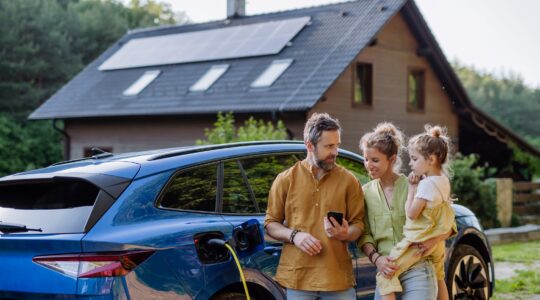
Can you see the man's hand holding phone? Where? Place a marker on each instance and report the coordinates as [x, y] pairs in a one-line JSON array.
[[336, 227]]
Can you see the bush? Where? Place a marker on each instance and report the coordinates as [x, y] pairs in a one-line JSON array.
[[224, 131], [27, 145], [473, 191]]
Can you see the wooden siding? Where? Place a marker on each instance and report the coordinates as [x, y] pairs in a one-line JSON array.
[[138, 134], [392, 56]]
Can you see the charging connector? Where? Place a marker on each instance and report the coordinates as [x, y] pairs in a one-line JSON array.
[[222, 243]]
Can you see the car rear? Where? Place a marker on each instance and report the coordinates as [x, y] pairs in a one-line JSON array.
[[44, 215]]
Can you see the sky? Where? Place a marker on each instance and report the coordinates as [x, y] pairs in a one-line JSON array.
[[495, 36]]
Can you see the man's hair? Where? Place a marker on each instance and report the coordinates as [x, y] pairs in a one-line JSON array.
[[316, 124]]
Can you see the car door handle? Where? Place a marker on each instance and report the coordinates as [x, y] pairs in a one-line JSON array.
[[272, 250]]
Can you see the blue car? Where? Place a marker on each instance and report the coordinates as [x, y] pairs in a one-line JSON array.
[[137, 226]]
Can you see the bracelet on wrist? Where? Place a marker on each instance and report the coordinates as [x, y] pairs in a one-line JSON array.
[[375, 262], [370, 255], [293, 234]]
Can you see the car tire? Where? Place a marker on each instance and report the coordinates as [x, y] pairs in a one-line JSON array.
[[230, 296], [467, 275]]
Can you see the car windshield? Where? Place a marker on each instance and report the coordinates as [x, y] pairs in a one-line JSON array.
[[56, 206]]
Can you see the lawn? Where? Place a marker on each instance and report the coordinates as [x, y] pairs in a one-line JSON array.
[[527, 281]]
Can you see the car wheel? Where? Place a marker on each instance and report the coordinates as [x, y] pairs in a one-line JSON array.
[[467, 274], [230, 296]]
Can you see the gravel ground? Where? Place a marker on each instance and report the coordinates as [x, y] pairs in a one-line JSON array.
[[505, 270]]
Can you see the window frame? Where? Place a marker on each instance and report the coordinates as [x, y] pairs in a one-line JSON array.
[[219, 173], [369, 85], [244, 175], [218, 208], [420, 92]]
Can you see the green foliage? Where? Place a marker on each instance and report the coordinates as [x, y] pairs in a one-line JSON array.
[[358, 170], [473, 191], [43, 44], [506, 98], [28, 145], [526, 159], [225, 131]]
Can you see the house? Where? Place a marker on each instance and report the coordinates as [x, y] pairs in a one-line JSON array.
[[362, 61]]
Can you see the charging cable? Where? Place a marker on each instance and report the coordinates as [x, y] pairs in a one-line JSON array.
[[219, 242]]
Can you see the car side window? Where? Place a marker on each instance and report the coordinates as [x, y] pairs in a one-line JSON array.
[[193, 189], [236, 195], [261, 172], [355, 167]]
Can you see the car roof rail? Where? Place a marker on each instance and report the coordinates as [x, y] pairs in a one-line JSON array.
[[95, 156], [196, 149]]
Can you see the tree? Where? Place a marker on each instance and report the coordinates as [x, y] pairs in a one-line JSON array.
[[224, 131], [35, 56], [506, 98], [27, 146], [43, 44]]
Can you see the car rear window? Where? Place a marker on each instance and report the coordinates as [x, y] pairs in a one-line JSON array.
[[58, 206]]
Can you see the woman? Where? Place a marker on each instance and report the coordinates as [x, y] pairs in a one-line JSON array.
[[385, 197]]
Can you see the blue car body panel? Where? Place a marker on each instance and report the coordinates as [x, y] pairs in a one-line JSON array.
[[20, 274]]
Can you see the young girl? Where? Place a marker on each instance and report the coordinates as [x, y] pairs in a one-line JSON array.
[[428, 209]]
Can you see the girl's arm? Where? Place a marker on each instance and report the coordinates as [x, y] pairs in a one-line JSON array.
[[414, 206]]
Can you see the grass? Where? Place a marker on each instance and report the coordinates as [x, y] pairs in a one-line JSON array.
[[517, 252], [527, 282]]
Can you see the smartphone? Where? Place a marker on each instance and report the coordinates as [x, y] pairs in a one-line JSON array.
[[336, 215]]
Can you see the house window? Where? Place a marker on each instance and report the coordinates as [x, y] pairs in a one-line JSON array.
[[209, 78], [415, 87], [141, 83], [363, 85], [87, 151], [272, 73]]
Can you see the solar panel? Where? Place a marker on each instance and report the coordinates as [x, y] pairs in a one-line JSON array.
[[223, 43]]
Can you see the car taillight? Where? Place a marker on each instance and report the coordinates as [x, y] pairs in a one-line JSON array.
[[95, 264]]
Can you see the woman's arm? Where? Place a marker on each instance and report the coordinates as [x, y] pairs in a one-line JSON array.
[[427, 245], [384, 264]]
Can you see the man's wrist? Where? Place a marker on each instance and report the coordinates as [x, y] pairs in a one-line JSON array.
[[293, 234]]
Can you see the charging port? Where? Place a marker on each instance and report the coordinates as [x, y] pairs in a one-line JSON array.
[[207, 252]]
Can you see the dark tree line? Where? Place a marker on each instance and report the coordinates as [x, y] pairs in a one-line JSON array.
[[43, 44]]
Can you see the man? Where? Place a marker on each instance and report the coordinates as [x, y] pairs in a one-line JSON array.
[[315, 262]]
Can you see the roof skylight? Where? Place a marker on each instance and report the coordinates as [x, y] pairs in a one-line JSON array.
[[211, 76], [272, 73], [141, 83]]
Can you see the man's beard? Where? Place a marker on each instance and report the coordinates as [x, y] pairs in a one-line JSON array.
[[326, 166]]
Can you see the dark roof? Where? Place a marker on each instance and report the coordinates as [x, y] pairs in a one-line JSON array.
[[321, 51]]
